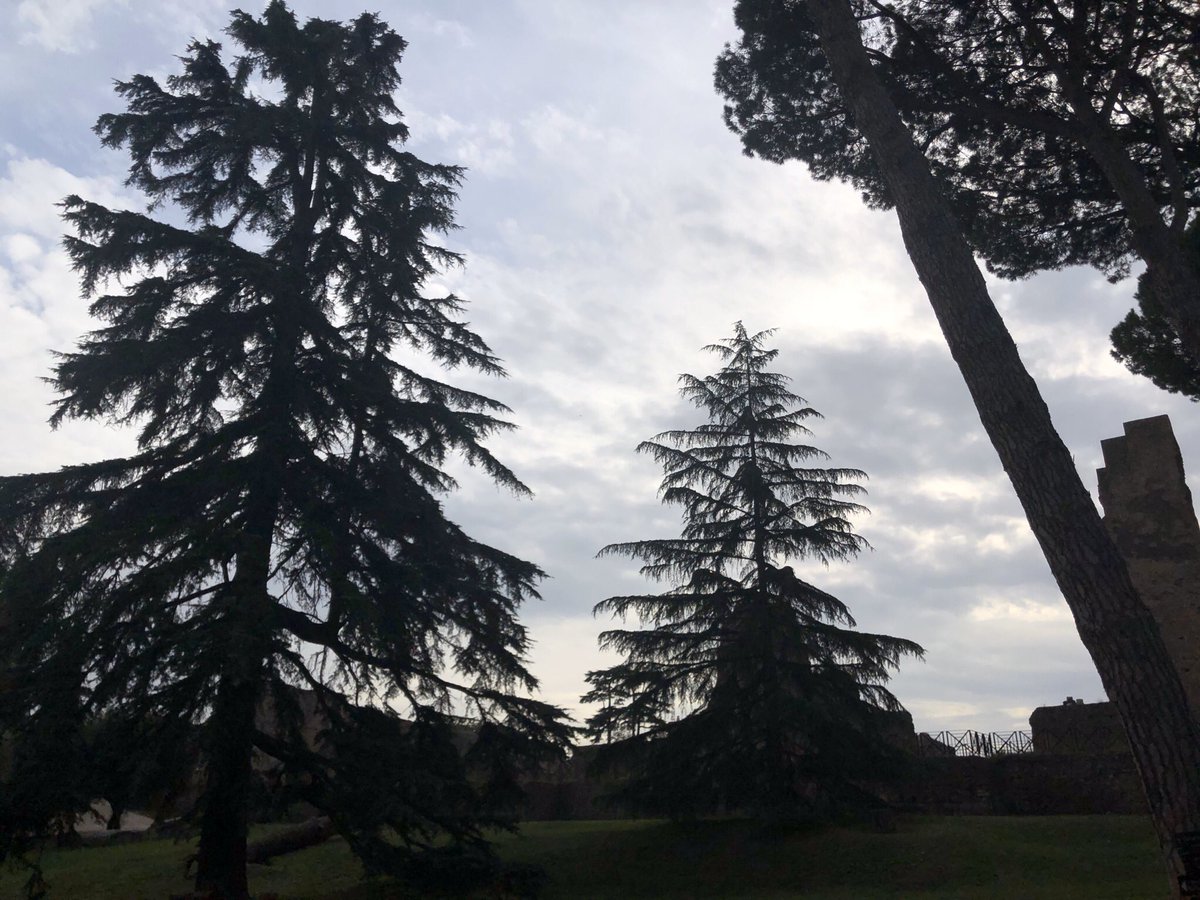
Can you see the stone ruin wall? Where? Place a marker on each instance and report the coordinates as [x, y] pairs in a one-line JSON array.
[[1078, 729], [1148, 511]]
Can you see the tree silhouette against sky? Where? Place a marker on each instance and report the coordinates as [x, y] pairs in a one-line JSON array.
[[1062, 133], [749, 688], [278, 526]]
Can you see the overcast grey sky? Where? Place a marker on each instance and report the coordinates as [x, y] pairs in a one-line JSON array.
[[611, 227]]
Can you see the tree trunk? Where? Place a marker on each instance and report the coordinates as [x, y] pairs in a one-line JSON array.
[[1115, 626], [307, 834], [248, 632], [221, 858], [251, 618]]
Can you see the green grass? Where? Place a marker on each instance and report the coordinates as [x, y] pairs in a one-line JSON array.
[[927, 858], [155, 869]]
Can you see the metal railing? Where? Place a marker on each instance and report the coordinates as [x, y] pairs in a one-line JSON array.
[[974, 743], [1002, 743]]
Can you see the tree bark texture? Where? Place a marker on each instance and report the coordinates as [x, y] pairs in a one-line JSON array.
[[1115, 626], [229, 781]]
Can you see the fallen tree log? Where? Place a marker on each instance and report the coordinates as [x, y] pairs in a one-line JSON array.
[[308, 833]]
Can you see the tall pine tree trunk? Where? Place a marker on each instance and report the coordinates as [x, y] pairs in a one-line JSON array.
[[251, 626], [248, 627], [224, 825], [1115, 626]]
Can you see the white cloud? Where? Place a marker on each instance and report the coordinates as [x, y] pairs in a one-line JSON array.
[[31, 189], [41, 310], [484, 147], [561, 137], [999, 608], [940, 486], [22, 248], [60, 25], [565, 650], [424, 24]]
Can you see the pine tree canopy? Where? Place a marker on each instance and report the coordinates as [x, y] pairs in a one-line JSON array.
[[747, 688], [986, 90], [1062, 133], [279, 525], [1148, 344]]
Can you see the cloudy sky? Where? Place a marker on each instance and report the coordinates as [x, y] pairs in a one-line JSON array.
[[611, 228]]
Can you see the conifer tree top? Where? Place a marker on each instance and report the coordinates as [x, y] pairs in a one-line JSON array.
[[741, 475]]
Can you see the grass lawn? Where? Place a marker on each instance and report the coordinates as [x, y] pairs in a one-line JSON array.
[[927, 858]]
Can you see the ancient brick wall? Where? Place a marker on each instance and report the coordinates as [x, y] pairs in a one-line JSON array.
[[1018, 784], [1029, 784], [1148, 511], [1078, 728]]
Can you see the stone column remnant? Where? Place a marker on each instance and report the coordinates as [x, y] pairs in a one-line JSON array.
[[1148, 511]]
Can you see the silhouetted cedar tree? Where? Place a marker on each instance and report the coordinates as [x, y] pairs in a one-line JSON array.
[[1063, 134], [272, 339], [747, 688]]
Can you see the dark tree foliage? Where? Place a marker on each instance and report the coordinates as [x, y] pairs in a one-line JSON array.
[[1063, 133], [748, 689], [141, 764], [1148, 344], [983, 102], [278, 526]]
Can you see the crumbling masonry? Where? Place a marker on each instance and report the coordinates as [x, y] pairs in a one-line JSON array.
[[1148, 511]]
